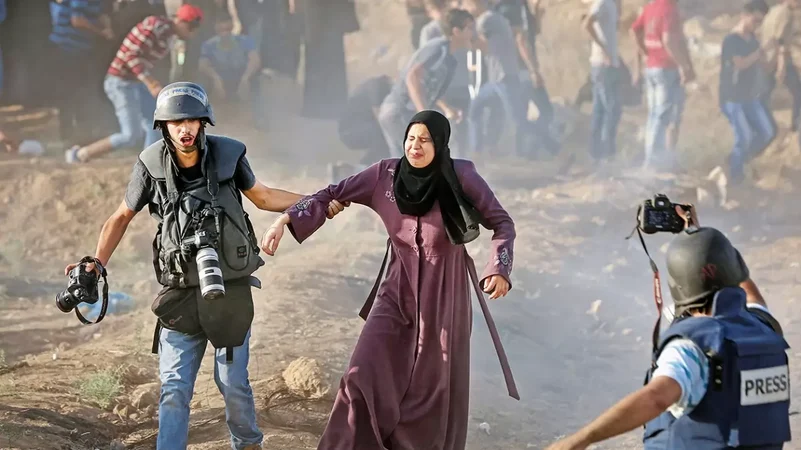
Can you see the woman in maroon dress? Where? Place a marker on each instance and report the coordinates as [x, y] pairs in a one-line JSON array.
[[407, 385]]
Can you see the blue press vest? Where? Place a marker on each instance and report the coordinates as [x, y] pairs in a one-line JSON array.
[[747, 402]]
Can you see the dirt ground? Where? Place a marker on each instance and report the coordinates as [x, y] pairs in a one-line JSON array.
[[576, 325]]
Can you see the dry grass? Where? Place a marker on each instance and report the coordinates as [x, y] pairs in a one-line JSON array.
[[101, 387]]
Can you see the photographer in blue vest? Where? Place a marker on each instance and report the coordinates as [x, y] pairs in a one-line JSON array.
[[719, 377], [204, 254]]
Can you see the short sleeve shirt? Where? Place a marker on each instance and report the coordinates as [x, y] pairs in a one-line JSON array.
[[439, 66], [606, 14], [685, 363], [658, 18], [141, 187], [520, 17], [738, 86], [502, 58], [431, 30], [461, 76]]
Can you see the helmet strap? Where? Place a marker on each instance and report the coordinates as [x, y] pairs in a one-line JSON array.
[[166, 135]]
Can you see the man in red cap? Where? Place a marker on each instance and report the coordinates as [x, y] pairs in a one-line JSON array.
[[131, 87]]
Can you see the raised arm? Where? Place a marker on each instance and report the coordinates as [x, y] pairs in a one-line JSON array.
[[309, 214], [496, 219]]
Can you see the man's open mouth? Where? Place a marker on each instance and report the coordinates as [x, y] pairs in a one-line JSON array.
[[187, 140]]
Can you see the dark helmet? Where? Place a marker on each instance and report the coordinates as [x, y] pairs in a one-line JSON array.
[[182, 100], [700, 262]]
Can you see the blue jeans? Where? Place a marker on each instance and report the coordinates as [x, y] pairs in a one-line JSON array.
[[606, 111], [509, 97], [134, 107], [753, 129], [665, 96], [542, 101], [538, 134], [179, 361]]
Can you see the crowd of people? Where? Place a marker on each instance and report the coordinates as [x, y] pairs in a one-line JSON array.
[[100, 60], [505, 35], [479, 70]]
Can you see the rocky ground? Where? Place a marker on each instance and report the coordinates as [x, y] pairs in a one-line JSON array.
[[576, 325]]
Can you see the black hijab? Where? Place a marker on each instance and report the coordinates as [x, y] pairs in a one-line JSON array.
[[416, 189]]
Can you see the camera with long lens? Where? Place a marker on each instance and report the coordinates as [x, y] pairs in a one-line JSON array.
[[659, 216], [81, 288], [204, 244]]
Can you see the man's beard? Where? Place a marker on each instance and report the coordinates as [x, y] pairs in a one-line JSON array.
[[186, 150]]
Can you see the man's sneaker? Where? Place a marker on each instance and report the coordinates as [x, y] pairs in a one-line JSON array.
[[71, 155]]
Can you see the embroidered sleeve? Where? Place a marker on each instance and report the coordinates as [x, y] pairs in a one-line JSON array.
[[684, 362], [309, 214], [495, 218]]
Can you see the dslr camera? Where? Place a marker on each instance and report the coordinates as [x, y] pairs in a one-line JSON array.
[[81, 287], [204, 244], [659, 215]]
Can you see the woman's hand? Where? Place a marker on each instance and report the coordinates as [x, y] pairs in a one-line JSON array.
[[335, 207], [496, 286], [272, 237]]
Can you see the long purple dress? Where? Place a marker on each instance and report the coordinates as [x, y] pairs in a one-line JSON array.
[[407, 385]]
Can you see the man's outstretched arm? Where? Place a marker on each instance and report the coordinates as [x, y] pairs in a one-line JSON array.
[[271, 199], [633, 411], [277, 200]]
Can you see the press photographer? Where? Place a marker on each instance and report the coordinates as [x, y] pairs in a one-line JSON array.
[[719, 376], [204, 254]]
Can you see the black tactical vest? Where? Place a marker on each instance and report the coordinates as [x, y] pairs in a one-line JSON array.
[[175, 211]]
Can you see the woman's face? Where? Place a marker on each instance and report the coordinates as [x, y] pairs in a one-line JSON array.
[[419, 146]]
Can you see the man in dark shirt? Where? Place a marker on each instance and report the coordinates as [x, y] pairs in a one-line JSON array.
[[182, 114], [740, 65]]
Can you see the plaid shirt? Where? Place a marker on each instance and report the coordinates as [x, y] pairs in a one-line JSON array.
[[147, 43]]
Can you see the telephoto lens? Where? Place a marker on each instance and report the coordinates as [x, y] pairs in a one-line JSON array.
[[209, 273], [65, 301], [75, 293]]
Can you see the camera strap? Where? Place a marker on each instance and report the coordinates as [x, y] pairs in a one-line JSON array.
[[212, 184], [657, 290], [104, 307]]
